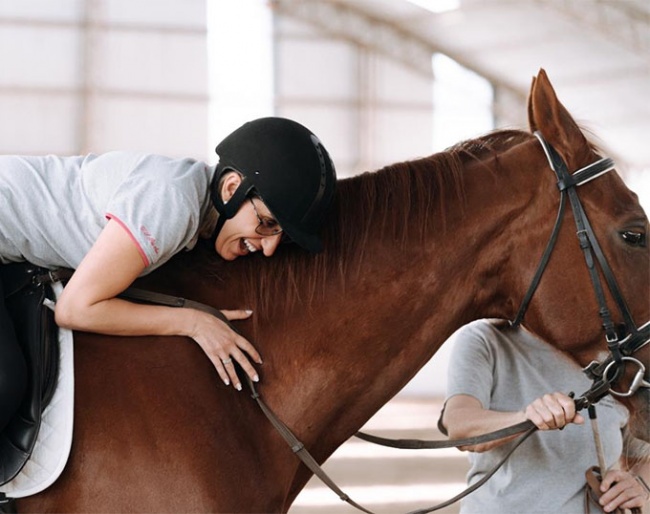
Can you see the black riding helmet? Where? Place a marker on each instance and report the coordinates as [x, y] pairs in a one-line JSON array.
[[284, 164]]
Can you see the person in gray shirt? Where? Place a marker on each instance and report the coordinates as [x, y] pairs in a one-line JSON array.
[[131, 213], [499, 376]]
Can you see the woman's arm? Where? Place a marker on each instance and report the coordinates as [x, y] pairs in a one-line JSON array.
[[464, 416], [89, 303]]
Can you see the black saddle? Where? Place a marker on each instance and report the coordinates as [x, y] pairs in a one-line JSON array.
[[26, 286]]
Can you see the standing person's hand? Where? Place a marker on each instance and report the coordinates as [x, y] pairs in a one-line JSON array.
[[554, 410]]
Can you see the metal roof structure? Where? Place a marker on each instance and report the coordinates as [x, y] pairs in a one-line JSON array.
[[596, 52]]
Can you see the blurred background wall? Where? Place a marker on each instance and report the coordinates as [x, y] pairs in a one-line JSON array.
[[378, 80], [90, 76]]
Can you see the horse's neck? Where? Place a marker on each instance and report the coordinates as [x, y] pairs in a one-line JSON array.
[[333, 367], [363, 342], [331, 364]]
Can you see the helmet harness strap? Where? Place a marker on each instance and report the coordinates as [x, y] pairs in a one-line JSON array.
[[229, 208]]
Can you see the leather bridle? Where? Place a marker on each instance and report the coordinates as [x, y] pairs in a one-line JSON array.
[[604, 374]]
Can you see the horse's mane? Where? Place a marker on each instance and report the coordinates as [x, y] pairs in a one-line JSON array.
[[404, 203]]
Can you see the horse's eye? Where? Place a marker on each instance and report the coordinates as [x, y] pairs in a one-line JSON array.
[[633, 238]]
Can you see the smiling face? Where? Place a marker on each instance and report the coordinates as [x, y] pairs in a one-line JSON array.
[[238, 237]]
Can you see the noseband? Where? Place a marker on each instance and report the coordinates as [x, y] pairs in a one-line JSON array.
[[604, 374]]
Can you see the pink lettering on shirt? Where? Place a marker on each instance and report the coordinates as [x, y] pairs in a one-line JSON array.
[[150, 238]]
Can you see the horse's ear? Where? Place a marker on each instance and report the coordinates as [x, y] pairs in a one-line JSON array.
[[547, 115]]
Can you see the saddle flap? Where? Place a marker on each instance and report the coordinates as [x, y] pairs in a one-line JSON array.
[[34, 327]]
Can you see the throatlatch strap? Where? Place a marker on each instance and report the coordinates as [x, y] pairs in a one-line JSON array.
[[541, 267]]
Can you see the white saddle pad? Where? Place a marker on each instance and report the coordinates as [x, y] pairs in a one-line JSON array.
[[55, 435]]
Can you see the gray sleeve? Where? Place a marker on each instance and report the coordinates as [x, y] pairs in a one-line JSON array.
[[472, 364], [156, 207]]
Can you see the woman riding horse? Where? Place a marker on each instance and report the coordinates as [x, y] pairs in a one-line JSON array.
[[118, 216]]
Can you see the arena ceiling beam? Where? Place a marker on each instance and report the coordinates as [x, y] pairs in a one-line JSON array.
[[626, 22], [345, 19]]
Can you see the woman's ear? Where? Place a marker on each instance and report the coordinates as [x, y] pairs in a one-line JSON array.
[[229, 184]]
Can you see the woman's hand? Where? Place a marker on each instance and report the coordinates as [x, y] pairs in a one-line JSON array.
[[621, 490], [224, 347], [551, 411]]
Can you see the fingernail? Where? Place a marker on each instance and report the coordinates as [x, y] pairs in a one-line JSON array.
[[256, 378], [238, 387], [227, 382], [249, 311]]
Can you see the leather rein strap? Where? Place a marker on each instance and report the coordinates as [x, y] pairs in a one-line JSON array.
[[419, 444], [299, 449]]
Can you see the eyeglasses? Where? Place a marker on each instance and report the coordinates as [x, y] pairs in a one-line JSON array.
[[267, 226]]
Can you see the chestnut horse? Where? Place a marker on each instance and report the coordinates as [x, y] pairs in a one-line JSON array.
[[413, 252]]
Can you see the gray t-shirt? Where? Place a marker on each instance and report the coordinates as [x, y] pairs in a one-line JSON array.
[[506, 369], [52, 209]]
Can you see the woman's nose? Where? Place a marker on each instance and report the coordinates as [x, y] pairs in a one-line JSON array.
[[270, 244]]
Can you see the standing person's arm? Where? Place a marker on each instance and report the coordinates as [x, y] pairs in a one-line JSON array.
[[464, 416], [89, 303]]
